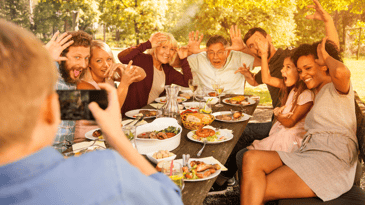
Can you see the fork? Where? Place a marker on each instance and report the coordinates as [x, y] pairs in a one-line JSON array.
[[201, 150]]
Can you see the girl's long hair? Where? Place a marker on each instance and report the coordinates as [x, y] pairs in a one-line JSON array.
[[298, 87]]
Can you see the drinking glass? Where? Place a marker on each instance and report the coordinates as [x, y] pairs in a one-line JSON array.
[[193, 85], [219, 91], [215, 85], [175, 173], [130, 133]]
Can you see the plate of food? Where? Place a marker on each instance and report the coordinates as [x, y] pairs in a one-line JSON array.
[[148, 113], [210, 134], [95, 134], [163, 99], [239, 101], [200, 170], [227, 116]]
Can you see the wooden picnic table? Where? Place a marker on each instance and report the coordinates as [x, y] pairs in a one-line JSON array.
[[195, 192]]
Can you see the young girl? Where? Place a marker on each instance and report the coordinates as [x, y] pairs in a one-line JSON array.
[[288, 131]]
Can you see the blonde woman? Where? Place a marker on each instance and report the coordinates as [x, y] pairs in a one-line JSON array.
[[157, 65], [103, 69]]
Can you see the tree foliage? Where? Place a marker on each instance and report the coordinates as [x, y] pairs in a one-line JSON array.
[[17, 11]]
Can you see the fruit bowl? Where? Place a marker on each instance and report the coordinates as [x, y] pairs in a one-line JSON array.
[[195, 121]]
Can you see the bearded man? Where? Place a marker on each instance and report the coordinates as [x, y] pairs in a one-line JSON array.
[[71, 51]]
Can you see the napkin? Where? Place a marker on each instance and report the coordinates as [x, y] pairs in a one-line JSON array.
[[89, 145], [157, 105]]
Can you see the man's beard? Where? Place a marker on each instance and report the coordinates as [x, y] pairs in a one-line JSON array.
[[65, 73]]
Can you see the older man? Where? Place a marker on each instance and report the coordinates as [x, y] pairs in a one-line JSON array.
[[32, 172], [72, 51], [217, 63]]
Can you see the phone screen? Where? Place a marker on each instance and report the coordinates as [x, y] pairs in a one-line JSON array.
[[74, 103]]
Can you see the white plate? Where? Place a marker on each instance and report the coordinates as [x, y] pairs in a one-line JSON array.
[[203, 179], [133, 113], [163, 99], [225, 133], [89, 135], [243, 118], [149, 156], [251, 101]]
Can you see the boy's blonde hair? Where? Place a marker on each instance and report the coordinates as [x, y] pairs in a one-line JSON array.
[[27, 75]]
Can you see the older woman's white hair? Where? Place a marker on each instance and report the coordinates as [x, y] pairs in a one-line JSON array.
[[170, 41]]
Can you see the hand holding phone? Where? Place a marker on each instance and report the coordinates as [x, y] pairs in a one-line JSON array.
[[74, 103], [109, 119]]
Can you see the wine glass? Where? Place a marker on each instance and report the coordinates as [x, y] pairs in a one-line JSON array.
[[200, 93], [219, 91], [215, 85], [130, 133], [193, 85]]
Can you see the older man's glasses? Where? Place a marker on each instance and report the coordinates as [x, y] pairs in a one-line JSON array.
[[220, 53]]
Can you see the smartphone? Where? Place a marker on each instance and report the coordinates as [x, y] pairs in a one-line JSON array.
[[74, 103]]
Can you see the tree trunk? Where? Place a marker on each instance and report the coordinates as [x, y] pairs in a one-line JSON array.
[[117, 34], [75, 15], [344, 32], [104, 33], [135, 25]]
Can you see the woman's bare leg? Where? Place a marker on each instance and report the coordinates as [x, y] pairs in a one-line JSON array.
[[284, 183], [281, 182]]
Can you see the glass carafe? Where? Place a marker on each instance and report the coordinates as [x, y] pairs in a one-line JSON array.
[[171, 106]]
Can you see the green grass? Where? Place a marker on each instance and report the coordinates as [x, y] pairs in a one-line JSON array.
[[357, 68]]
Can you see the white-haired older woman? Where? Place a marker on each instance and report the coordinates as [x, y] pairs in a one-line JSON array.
[[156, 63]]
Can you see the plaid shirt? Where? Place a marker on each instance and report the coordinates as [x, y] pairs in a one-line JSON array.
[[66, 129]]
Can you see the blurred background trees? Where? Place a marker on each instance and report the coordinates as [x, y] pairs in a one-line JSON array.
[[122, 23]]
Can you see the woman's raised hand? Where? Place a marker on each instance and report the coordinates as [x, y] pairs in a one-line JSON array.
[[320, 13], [157, 38], [57, 44], [109, 73], [129, 74], [183, 52], [236, 38], [194, 42], [322, 53]]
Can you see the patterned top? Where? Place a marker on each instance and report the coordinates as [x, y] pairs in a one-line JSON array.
[[66, 129]]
